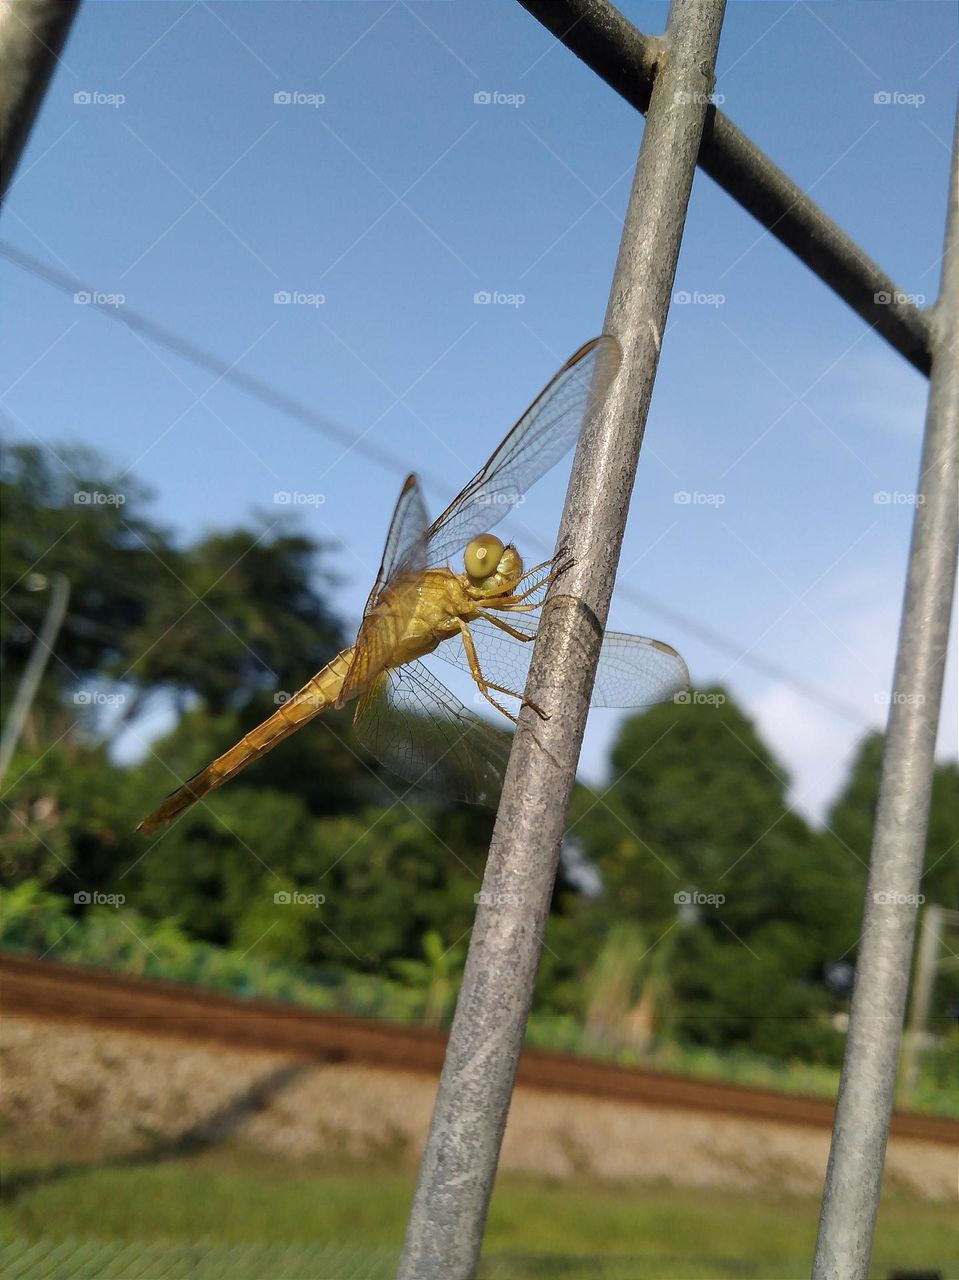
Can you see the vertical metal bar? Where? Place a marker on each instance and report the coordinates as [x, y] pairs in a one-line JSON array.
[[927, 958], [459, 1164], [32, 33], [868, 1079]]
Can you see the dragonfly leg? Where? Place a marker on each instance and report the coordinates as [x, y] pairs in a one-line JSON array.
[[504, 626], [485, 685], [515, 601], [538, 568], [544, 583]]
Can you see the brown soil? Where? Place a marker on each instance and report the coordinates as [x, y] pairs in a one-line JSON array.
[[79, 1082]]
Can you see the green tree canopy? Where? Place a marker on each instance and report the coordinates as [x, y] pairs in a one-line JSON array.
[[850, 828], [696, 840], [852, 815], [218, 626], [53, 521], [217, 620]]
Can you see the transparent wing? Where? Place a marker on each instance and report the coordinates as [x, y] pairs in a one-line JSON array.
[[637, 672], [545, 432], [632, 671], [419, 730], [405, 549], [393, 599]]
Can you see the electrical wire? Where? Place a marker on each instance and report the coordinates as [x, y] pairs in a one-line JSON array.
[[270, 395]]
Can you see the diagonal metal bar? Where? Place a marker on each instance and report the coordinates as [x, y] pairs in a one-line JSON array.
[[459, 1164], [32, 33], [868, 1080], [628, 60]]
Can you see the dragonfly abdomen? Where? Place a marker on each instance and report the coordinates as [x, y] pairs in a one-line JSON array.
[[316, 695]]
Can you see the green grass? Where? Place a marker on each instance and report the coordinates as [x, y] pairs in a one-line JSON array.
[[238, 1197]]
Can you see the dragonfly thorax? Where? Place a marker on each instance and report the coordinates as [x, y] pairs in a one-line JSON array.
[[491, 566]]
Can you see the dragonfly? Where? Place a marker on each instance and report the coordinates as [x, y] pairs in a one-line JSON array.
[[482, 618]]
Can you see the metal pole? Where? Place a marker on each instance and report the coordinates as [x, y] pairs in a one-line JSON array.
[[32, 33], [626, 59], [927, 956], [868, 1079], [459, 1164], [33, 671]]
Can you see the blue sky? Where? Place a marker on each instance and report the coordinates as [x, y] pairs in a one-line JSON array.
[[384, 188]]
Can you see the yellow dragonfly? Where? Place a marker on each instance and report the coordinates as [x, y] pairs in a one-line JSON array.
[[482, 618]]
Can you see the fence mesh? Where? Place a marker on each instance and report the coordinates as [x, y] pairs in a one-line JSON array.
[[76, 1259]]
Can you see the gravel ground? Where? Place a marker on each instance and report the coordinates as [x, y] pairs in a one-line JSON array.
[[81, 1089]]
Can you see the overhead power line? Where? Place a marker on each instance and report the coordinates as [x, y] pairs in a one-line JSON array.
[[277, 399]]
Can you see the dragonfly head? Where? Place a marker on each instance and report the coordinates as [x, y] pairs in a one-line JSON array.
[[492, 566]]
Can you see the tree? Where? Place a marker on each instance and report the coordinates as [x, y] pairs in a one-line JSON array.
[[696, 841], [52, 519], [217, 868], [391, 875], [852, 816], [236, 614], [219, 627], [232, 615], [850, 829], [70, 817]]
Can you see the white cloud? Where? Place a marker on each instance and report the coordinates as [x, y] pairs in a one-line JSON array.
[[814, 745], [817, 746]]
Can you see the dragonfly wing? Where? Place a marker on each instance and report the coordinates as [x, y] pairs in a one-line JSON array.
[[416, 727], [632, 672], [393, 599], [503, 659], [545, 432], [405, 549]]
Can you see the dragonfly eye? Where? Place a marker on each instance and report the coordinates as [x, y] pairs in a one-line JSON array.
[[483, 556]]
